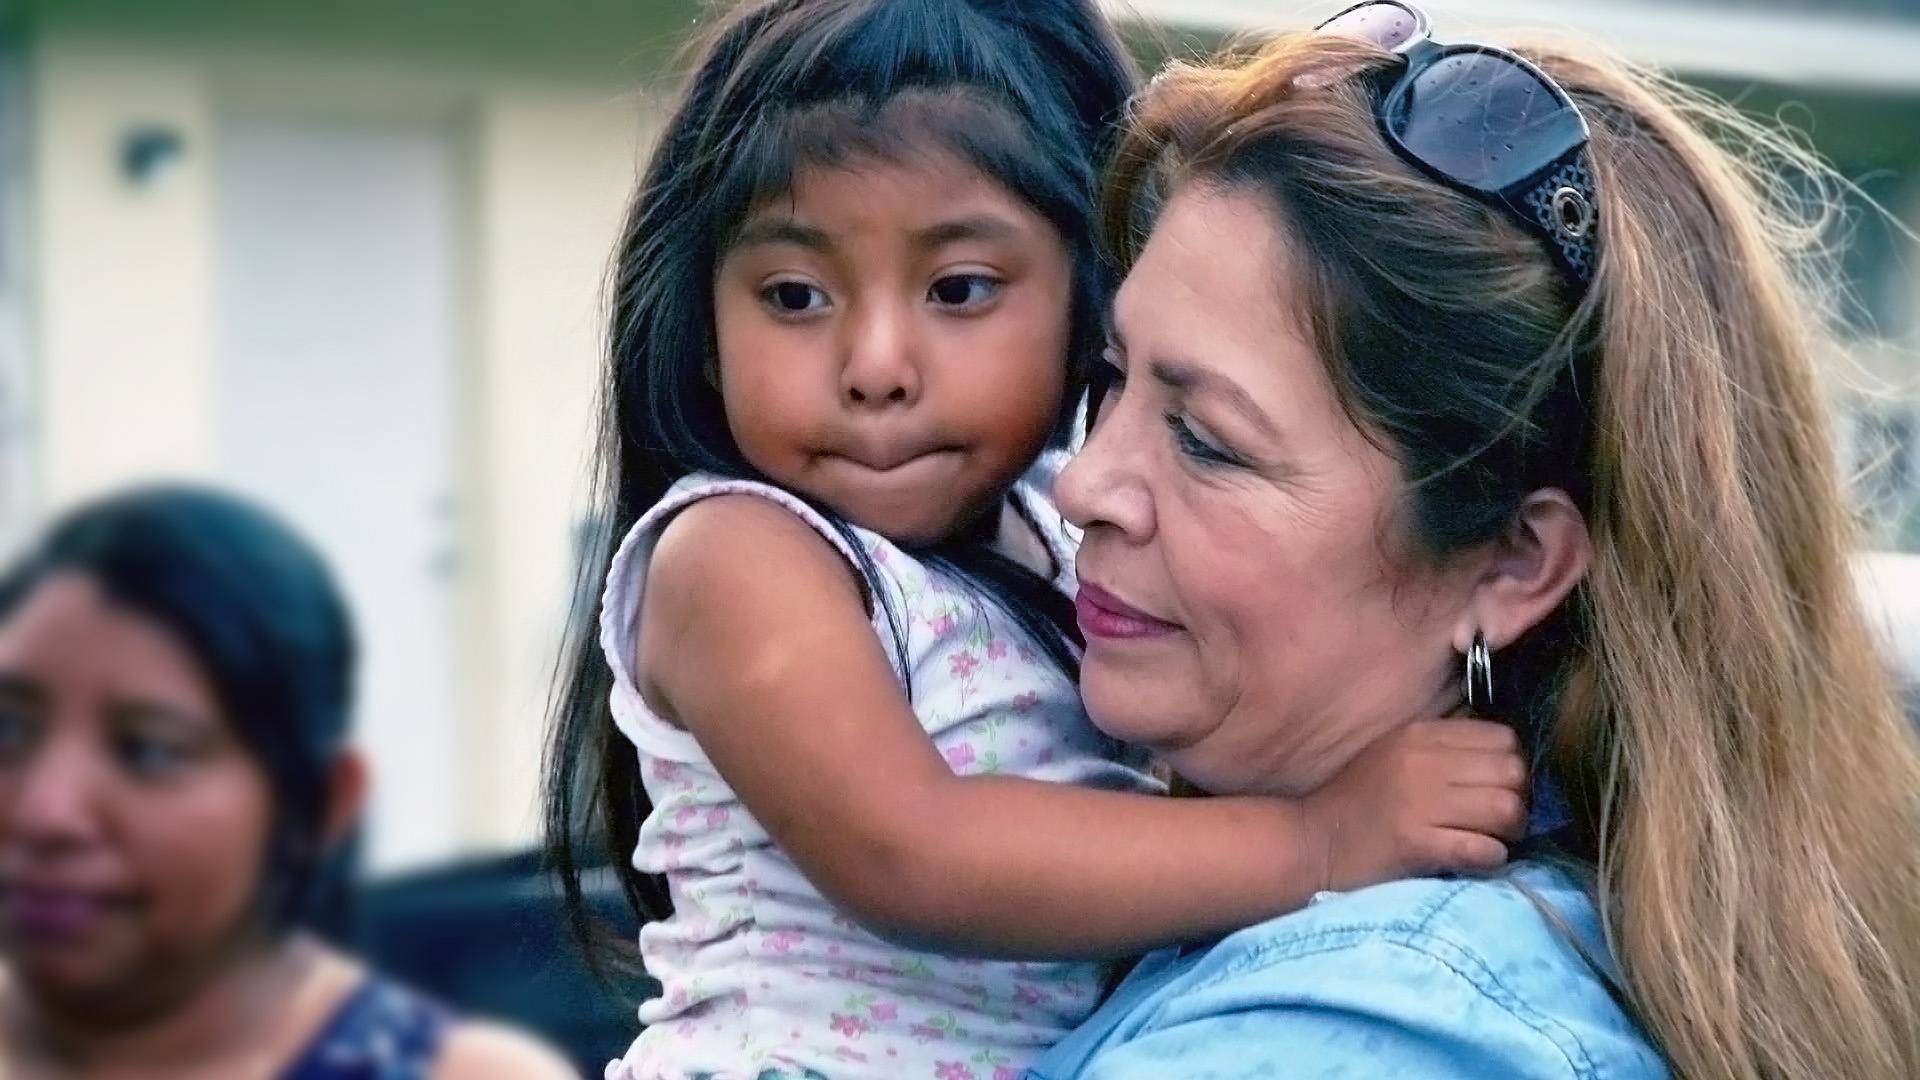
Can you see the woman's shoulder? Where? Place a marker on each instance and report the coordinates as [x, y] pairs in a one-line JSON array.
[[383, 1030], [1428, 977], [1531, 910], [482, 1051]]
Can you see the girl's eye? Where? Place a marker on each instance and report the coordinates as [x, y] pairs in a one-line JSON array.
[[1195, 447], [793, 297], [963, 290]]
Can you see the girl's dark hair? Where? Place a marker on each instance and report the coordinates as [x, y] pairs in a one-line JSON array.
[[257, 608], [1023, 90]]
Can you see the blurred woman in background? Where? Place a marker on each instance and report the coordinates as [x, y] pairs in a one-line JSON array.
[[176, 675]]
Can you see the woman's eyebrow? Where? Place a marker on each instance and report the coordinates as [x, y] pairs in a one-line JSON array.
[[1188, 378], [145, 711]]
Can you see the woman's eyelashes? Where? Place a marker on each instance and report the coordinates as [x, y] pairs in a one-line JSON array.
[[1195, 446], [149, 751]]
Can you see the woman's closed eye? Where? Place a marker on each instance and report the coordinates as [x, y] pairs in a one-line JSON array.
[[964, 292], [1191, 441], [792, 298]]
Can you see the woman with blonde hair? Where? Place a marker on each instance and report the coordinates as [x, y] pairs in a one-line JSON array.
[[1436, 359]]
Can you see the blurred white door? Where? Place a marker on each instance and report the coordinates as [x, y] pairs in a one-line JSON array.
[[337, 330]]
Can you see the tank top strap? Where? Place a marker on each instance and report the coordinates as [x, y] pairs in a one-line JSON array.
[[382, 1031]]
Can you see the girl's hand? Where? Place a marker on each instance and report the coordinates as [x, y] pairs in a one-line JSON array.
[[1434, 796]]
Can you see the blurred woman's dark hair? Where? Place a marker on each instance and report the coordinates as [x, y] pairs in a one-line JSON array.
[[256, 606]]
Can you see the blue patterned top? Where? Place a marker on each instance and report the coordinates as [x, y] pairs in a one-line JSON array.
[[1430, 978], [383, 1031]]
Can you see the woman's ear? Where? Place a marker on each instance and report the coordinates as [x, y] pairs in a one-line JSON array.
[[1527, 571], [346, 797]]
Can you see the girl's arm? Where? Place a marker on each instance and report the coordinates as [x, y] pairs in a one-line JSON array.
[[754, 637]]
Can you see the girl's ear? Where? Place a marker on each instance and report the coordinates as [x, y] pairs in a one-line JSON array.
[[1527, 572], [346, 797]]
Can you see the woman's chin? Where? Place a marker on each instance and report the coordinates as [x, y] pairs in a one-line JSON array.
[[1128, 707]]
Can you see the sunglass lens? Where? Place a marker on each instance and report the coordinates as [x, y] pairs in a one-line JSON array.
[[1387, 25], [1484, 120]]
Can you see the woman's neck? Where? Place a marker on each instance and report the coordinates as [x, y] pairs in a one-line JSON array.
[[228, 1022]]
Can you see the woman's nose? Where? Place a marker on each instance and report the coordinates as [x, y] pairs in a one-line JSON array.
[[53, 796], [882, 362], [1105, 484]]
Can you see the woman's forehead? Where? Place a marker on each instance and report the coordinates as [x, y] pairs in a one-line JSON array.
[[68, 634]]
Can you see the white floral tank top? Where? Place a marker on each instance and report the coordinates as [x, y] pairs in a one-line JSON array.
[[759, 974]]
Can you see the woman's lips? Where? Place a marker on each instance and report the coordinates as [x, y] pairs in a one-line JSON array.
[[51, 915], [1104, 615]]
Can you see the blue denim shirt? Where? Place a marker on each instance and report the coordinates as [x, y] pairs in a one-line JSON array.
[[1429, 979]]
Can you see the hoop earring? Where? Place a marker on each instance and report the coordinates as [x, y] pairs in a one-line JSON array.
[[1479, 673]]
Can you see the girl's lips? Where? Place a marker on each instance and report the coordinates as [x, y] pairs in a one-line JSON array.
[[1104, 615]]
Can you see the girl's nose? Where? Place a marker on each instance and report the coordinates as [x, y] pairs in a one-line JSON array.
[[882, 363]]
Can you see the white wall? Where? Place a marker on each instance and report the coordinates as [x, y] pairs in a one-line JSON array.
[[124, 343], [555, 171], [124, 304], [17, 446]]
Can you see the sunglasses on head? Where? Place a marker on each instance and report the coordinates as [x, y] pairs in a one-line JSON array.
[[1485, 122]]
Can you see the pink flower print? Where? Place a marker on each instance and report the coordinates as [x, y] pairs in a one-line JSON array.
[[953, 1070], [1024, 703], [996, 649], [717, 816], [962, 664], [942, 626], [959, 757], [927, 1033], [781, 941], [1006, 1072], [885, 1011], [1025, 653], [1045, 757], [1029, 994], [851, 1026], [665, 770], [686, 816]]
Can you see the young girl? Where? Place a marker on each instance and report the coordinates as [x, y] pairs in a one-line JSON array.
[[855, 298]]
